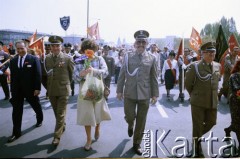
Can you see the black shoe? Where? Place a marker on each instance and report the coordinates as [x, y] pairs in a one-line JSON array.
[[6, 98], [130, 131], [137, 149], [39, 124], [13, 138], [227, 132]]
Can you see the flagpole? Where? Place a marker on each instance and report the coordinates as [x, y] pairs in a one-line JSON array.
[[182, 65], [87, 16]]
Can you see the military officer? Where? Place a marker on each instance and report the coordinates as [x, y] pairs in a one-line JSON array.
[[201, 82], [43, 67], [67, 50], [3, 67], [137, 83], [229, 62], [110, 64], [59, 67]]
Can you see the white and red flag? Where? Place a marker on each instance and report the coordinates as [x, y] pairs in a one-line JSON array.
[[195, 40], [93, 31]]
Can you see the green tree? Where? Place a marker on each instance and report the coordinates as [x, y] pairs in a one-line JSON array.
[[210, 31]]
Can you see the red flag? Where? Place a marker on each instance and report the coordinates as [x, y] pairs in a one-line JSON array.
[[180, 50], [93, 31], [33, 37], [232, 42], [195, 40], [38, 46]]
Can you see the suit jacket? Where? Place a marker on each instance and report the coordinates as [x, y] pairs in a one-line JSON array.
[[27, 79], [203, 93], [144, 84], [110, 64], [61, 76]]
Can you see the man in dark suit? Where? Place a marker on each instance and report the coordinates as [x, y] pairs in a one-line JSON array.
[[110, 64], [25, 83]]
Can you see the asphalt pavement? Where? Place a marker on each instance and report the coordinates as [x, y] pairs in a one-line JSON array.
[[169, 123]]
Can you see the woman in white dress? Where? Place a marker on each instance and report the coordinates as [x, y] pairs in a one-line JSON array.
[[90, 113]]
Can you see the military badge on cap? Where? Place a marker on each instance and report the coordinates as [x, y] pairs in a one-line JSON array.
[[209, 46], [55, 39], [141, 34]]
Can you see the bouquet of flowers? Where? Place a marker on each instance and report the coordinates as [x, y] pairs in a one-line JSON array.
[[238, 94], [93, 87], [86, 58]]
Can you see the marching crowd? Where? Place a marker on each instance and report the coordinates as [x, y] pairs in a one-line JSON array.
[[137, 71]]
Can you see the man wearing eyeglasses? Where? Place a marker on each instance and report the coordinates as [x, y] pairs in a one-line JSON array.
[[201, 82], [137, 83]]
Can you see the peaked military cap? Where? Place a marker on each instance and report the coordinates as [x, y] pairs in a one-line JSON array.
[[47, 44], [67, 45], [26, 40], [141, 34], [106, 47], [55, 39], [209, 46], [1, 43]]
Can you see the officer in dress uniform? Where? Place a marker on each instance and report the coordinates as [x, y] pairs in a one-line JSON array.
[[59, 67], [43, 67], [137, 83], [110, 64], [67, 50], [3, 67], [201, 82]]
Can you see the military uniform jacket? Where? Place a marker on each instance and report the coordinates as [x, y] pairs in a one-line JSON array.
[[110, 64], [144, 84], [60, 77], [203, 91], [4, 57]]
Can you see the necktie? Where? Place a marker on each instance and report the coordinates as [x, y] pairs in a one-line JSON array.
[[20, 64], [54, 58]]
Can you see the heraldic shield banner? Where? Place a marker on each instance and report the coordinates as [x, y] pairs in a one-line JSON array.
[[65, 22]]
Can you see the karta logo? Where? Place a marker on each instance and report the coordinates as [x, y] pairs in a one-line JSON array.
[[154, 145]]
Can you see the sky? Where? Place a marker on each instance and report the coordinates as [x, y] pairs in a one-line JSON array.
[[117, 18]]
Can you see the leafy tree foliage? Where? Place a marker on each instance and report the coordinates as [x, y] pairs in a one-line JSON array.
[[210, 31]]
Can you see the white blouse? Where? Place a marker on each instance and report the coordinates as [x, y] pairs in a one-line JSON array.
[[174, 66]]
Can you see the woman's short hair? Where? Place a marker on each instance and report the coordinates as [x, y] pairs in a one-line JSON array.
[[89, 44]]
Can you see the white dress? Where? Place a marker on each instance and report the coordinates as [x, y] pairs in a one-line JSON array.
[[92, 114], [89, 113]]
